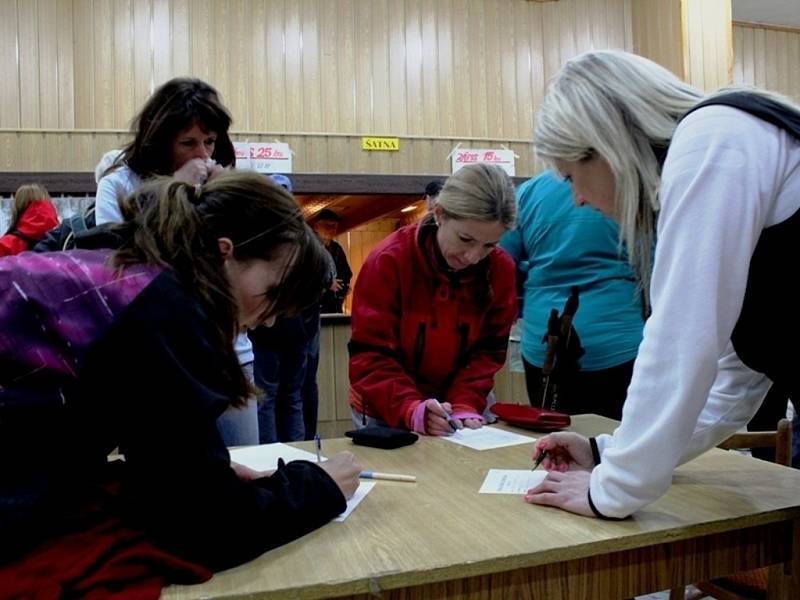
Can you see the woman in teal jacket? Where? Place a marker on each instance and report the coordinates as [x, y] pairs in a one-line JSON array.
[[561, 245]]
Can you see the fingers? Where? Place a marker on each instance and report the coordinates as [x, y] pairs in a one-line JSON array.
[[473, 423]]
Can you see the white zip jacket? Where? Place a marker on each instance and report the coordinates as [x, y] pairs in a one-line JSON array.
[[727, 176]]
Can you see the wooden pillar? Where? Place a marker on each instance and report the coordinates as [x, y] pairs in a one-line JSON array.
[[692, 38]]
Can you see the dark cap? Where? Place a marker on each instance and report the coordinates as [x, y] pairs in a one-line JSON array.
[[433, 188], [327, 214]]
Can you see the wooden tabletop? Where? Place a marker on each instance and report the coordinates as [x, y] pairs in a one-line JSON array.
[[441, 529]]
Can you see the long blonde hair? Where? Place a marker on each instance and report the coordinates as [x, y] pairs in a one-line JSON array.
[[626, 109]]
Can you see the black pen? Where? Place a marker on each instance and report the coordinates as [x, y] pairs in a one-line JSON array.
[[447, 418], [539, 460]]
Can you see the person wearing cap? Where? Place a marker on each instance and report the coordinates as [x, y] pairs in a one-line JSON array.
[[326, 224], [432, 192], [286, 357]]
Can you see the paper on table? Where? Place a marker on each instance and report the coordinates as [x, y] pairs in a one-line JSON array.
[[511, 481], [363, 489], [487, 438], [265, 457]]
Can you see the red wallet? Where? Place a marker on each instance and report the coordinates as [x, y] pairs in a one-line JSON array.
[[530, 417]]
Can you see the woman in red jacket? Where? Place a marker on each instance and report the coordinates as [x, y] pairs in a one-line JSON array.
[[32, 216], [432, 309]]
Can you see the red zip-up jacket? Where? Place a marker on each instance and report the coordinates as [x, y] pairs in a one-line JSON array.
[[39, 218], [420, 332]]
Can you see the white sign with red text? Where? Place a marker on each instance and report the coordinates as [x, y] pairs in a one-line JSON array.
[[502, 158], [264, 157]]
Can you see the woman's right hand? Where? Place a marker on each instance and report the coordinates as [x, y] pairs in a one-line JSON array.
[[436, 416], [344, 470], [565, 452], [193, 172]]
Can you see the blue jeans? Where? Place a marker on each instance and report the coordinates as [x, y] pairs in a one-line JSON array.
[[280, 374], [310, 391], [239, 426]]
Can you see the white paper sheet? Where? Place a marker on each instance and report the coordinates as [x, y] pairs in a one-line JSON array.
[[364, 488], [487, 438], [511, 481], [265, 457]]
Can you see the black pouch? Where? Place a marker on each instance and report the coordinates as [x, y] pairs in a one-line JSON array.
[[382, 437]]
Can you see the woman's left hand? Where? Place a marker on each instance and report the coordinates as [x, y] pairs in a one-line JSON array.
[[472, 423], [568, 491]]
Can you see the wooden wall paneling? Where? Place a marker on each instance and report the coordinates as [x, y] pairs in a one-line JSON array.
[[201, 32], [346, 56], [362, 73], [597, 16], [748, 56], [657, 33], [341, 336], [444, 53], [293, 91], [566, 19], [143, 42], [161, 54], [396, 40], [182, 39], [538, 79], [493, 53], [277, 99], [27, 69], [413, 52], [219, 44], [783, 71], [329, 67], [65, 41], [239, 86], [583, 26], [550, 41], [429, 63], [10, 90], [771, 77], [54, 151], [760, 57], [122, 75], [310, 13], [79, 151], [476, 31], [49, 76], [462, 88], [259, 94], [378, 43], [738, 43], [326, 381], [767, 57], [8, 141], [102, 63], [793, 59], [716, 42], [340, 155]]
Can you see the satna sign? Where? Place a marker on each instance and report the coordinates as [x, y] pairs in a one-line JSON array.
[[384, 144]]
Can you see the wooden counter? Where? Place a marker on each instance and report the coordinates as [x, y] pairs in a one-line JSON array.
[[439, 538]]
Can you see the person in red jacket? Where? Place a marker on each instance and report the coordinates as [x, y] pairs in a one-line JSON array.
[[432, 309], [32, 216]]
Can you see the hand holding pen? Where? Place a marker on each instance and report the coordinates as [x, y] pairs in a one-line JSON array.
[[563, 451], [438, 420]]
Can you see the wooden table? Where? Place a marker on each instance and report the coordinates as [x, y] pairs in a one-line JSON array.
[[439, 538]]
